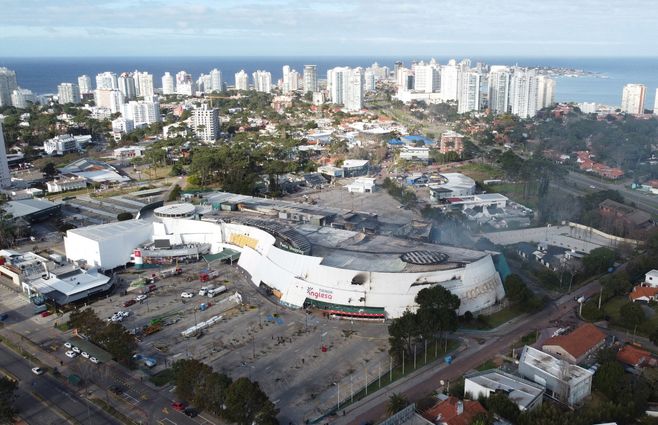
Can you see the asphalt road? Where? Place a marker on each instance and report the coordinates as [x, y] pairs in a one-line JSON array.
[[643, 200], [496, 342], [46, 387]]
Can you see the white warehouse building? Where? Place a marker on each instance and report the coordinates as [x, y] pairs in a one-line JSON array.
[[346, 273]]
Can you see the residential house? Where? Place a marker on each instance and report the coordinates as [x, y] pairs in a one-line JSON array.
[[623, 220], [635, 357], [643, 293], [453, 411], [577, 345]]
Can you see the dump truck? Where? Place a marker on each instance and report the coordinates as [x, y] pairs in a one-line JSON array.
[[174, 271], [208, 275]]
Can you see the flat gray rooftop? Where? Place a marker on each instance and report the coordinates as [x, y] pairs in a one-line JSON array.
[[520, 391]]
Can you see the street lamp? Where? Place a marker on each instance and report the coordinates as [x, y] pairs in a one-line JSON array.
[[337, 384]]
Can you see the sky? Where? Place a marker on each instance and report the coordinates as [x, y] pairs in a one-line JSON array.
[[533, 28]]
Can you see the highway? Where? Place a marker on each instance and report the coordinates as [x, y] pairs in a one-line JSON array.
[[496, 342], [42, 399], [584, 183]]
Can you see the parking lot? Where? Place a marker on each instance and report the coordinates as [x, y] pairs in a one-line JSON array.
[[258, 338]]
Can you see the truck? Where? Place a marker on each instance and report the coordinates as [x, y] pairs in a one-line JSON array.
[[40, 308], [216, 291], [208, 275], [174, 271], [204, 290]]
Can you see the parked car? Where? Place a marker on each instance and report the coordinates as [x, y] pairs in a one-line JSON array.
[[85, 354], [38, 371], [141, 297], [46, 313], [71, 354], [67, 345], [191, 412], [129, 303], [75, 349], [93, 360], [124, 313], [187, 295], [177, 405]]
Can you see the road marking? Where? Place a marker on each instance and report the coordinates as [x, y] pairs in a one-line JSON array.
[[130, 399], [206, 420], [168, 420]]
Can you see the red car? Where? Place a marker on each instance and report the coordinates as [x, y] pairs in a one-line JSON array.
[[177, 405], [46, 313], [129, 303]]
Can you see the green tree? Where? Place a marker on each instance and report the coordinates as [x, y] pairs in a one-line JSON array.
[[500, 404], [8, 389], [631, 315], [175, 193], [402, 332], [437, 310], [246, 404], [192, 381], [396, 402], [607, 378], [49, 170], [516, 290], [598, 261]]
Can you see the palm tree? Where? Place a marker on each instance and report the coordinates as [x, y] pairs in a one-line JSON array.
[[396, 402]]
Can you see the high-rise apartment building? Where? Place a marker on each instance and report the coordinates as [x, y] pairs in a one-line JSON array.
[[144, 84], [655, 104], [7, 85], [262, 81], [354, 98], [633, 97], [339, 83], [205, 123], [450, 81], [523, 92], [68, 93], [427, 77], [168, 84], [84, 83], [310, 78], [241, 80], [111, 99], [545, 92], [5, 177], [107, 81], [126, 84], [216, 80], [370, 80], [143, 112], [499, 86], [469, 92], [22, 98], [184, 84]]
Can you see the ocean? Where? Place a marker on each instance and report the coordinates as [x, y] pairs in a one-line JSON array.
[[42, 75]]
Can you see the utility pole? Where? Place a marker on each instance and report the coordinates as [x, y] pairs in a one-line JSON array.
[[365, 371], [414, 356]]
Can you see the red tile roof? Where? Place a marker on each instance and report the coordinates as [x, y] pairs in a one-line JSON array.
[[579, 341], [446, 412], [643, 291], [633, 356]]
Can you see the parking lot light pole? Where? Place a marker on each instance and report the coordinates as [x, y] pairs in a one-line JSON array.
[[337, 384]]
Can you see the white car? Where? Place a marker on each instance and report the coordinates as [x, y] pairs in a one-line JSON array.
[[141, 297], [93, 360], [71, 354], [117, 318], [76, 350], [85, 354], [187, 295], [124, 313], [68, 345], [38, 371]]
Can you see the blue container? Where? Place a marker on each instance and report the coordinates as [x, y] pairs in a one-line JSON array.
[[447, 359]]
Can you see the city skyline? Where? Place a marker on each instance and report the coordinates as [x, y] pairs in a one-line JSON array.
[[292, 27]]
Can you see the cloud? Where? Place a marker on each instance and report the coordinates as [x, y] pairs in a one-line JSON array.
[[328, 27]]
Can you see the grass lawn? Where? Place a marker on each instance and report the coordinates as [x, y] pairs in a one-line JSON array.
[[528, 339], [496, 319], [489, 364], [480, 172], [163, 377], [612, 310]]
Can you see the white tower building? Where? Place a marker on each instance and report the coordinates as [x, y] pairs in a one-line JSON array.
[[310, 78], [241, 80], [5, 177], [545, 92], [7, 85], [633, 97], [354, 100], [84, 83], [126, 84], [469, 92], [68, 93], [184, 84], [449, 81], [499, 85], [144, 84], [523, 92], [21, 98], [216, 80], [262, 81], [339, 83], [107, 80], [205, 123], [168, 84]]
